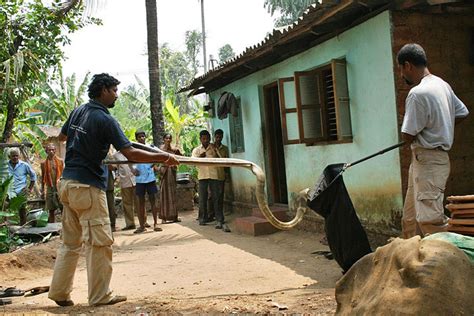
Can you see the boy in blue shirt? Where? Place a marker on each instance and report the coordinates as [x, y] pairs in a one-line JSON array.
[[145, 184]]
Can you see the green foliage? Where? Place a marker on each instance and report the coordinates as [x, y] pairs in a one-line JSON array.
[[193, 40], [59, 97], [9, 211], [184, 128], [26, 129], [225, 53], [132, 110], [175, 72], [290, 10], [33, 35], [8, 242], [52, 107]]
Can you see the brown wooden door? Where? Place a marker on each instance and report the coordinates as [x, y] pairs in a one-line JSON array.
[[274, 150]]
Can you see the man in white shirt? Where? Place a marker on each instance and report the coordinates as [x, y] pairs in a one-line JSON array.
[[431, 111]]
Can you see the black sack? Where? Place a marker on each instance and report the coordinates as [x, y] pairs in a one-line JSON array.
[[346, 236]]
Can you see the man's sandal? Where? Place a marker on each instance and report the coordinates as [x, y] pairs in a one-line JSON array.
[[140, 230], [65, 303], [5, 301], [37, 290], [114, 300], [11, 291], [157, 229]]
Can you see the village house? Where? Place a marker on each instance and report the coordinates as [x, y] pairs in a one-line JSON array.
[[327, 90]]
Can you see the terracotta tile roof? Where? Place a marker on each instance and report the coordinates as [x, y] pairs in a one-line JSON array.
[[319, 23]]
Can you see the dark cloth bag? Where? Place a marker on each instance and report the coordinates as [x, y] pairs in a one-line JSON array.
[[346, 236]]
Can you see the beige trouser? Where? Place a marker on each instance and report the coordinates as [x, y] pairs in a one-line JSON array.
[[129, 203], [85, 221], [423, 211]]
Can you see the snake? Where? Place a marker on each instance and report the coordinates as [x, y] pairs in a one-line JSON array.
[[232, 163]]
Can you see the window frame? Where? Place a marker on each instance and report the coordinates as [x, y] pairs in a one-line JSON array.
[[237, 145], [285, 111], [339, 88]]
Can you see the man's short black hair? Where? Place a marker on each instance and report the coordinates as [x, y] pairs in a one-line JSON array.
[[412, 53], [204, 132], [100, 81], [139, 132], [219, 132]]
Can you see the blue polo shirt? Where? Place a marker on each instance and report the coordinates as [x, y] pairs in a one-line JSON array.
[[90, 130], [20, 173]]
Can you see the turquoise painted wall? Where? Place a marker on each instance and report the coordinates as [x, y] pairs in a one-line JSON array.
[[375, 185]]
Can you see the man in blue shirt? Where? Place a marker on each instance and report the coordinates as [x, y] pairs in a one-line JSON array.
[[146, 184], [89, 131], [20, 171]]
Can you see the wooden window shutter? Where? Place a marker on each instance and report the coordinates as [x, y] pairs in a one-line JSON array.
[[289, 114], [237, 131], [341, 99], [310, 106]]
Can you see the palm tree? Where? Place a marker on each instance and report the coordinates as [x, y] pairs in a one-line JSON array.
[[156, 107]]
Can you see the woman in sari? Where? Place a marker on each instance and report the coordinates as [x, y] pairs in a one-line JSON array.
[[168, 207]]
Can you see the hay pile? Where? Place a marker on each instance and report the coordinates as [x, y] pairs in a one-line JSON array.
[[411, 277]]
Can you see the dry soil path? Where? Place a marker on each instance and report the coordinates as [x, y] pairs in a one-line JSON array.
[[189, 269]]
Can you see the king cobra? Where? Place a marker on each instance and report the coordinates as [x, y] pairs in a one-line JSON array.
[[231, 162]]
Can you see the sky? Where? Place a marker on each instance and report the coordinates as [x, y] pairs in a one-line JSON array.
[[119, 45]]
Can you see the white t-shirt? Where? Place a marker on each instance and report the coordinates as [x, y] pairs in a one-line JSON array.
[[430, 110], [126, 177]]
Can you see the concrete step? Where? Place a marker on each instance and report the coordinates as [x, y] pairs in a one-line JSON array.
[[253, 225], [279, 212]]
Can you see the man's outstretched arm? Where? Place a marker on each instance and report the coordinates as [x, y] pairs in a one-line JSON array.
[[138, 155]]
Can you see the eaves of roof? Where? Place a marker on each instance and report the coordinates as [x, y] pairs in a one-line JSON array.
[[318, 24]]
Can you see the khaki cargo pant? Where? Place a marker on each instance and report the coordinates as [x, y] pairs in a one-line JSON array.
[[85, 221], [129, 204], [423, 211]]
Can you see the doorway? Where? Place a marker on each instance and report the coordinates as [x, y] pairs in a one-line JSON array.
[[275, 153]]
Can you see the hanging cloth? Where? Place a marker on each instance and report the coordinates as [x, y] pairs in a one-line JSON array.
[[227, 104]]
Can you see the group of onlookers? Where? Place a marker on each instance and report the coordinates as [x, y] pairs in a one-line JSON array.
[[51, 170], [138, 180], [135, 181]]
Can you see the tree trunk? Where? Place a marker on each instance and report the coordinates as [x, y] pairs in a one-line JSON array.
[[9, 121], [156, 107]]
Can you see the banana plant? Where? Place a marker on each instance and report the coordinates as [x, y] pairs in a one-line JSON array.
[[132, 109], [178, 123], [52, 108], [55, 104]]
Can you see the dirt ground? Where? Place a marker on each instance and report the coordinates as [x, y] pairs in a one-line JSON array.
[[189, 269]]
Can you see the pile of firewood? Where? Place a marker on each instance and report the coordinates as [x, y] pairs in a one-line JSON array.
[[462, 214]]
